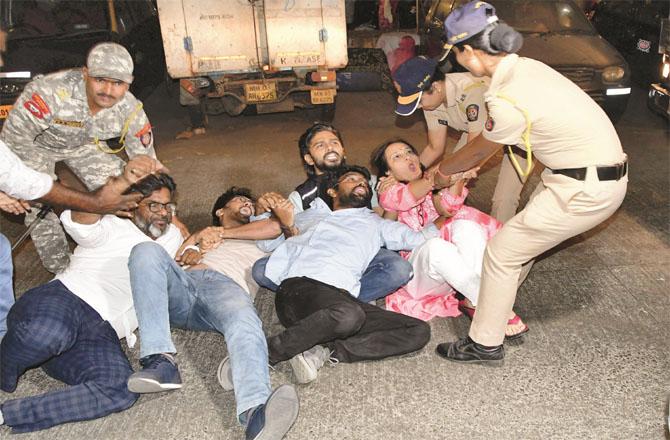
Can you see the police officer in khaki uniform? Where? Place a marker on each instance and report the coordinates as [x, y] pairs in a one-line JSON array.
[[585, 179], [81, 117], [454, 100]]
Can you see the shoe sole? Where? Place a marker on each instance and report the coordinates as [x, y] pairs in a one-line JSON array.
[[144, 386], [281, 411], [301, 370], [222, 375], [487, 363]]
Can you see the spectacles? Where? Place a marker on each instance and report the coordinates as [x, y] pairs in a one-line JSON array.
[[156, 207]]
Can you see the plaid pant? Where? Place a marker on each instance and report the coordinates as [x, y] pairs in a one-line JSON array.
[[51, 327]]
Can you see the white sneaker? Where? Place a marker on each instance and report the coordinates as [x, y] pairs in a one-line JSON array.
[[224, 374], [306, 364]]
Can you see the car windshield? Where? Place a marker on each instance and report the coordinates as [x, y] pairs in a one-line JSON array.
[[42, 18], [542, 16]]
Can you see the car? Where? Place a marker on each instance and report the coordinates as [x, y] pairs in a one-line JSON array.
[[557, 33], [633, 27], [44, 36]]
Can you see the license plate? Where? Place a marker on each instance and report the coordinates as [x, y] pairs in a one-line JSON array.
[[260, 92], [4, 111], [322, 96]]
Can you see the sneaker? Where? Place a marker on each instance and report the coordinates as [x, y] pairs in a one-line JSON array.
[[273, 419], [159, 373], [225, 374], [467, 351], [306, 364]]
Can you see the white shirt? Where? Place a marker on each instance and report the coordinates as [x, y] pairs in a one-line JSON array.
[[20, 181], [98, 270]]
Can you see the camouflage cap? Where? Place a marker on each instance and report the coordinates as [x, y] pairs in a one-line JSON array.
[[110, 60]]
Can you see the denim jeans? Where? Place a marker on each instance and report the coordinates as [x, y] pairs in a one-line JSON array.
[[387, 272], [6, 289], [203, 300]]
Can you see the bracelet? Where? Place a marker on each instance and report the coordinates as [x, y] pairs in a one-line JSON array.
[[445, 176], [190, 246], [450, 178]]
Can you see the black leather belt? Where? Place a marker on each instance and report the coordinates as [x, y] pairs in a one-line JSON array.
[[614, 172]]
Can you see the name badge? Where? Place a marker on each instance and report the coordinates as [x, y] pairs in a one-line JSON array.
[[77, 124]]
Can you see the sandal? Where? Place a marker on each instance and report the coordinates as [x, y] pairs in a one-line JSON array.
[[470, 313]]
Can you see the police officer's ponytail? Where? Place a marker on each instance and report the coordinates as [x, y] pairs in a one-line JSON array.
[[497, 37], [505, 38]]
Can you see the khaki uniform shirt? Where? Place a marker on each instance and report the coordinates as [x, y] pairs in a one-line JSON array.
[[463, 108], [568, 129], [52, 114]]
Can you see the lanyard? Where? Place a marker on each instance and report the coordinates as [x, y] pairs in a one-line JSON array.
[[525, 137], [124, 132]]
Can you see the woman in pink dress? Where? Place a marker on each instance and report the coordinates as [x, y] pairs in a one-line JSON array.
[[442, 265]]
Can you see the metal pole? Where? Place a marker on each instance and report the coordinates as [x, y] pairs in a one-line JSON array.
[[40, 216]]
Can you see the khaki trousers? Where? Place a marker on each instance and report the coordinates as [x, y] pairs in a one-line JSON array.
[[564, 208]]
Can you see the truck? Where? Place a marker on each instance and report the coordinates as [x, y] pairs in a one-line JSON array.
[[263, 55], [659, 93]]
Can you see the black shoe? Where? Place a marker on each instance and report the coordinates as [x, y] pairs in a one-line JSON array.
[[273, 419], [468, 351]]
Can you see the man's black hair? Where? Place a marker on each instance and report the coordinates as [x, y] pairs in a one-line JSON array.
[[330, 179], [151, 183], [226, 197], [306, 138]]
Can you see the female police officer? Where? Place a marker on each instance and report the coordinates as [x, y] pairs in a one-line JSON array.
[[454, 100], [536, 108]]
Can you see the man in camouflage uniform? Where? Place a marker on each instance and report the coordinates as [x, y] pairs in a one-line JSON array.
[[82, 117]]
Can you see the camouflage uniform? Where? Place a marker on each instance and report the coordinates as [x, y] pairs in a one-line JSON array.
[[51, 122]]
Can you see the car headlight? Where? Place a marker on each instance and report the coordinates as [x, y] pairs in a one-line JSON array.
[[665, 71], [613, 74]]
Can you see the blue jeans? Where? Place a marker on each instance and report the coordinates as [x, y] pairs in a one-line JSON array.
[[387, 272], [6, 289], [203, 300]]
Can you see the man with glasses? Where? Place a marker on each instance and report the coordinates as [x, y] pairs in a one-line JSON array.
[[71, 326], [81, 117], [318, 262], [214, 292]]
